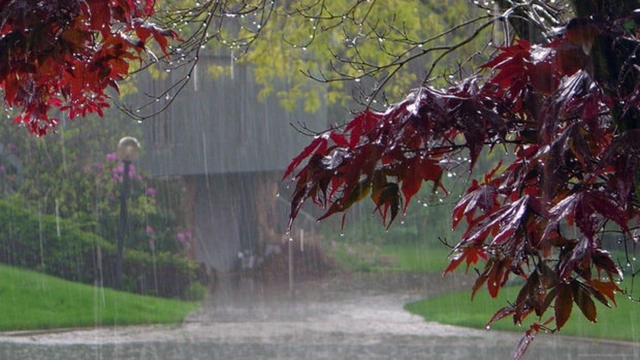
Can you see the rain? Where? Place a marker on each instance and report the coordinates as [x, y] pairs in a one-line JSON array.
[[177, 194]]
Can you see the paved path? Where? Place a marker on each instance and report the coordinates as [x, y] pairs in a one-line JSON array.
[[336, 319]]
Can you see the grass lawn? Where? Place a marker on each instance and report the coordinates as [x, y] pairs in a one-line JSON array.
[[30, 300], [619, 322], [390, 257], [416, 257]]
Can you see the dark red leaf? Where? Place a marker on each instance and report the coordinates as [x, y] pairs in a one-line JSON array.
[[483, 197], [583, 299], [64, 55], [582, 206], [453, 263], [361, 125], [524, 342], [359, 192], [469, 255], [603, 261], [502, 223], [317, 146], [414, 172], [387, 198], [500, 314], [563, 304], [339, 139], [607, 288]]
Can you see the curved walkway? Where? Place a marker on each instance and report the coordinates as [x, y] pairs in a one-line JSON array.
[[340, 318]]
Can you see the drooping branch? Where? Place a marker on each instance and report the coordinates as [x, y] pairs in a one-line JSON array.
[[233, 26], [66, 54], [541, 215]]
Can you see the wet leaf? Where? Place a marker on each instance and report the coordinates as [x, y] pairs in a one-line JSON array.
[[335, 158], [606, 288], [563, 304], [469, 255], [387, 198], [64, 56], [524, 342], [581, 207], [501, 314], [317, 146], [583, 299], [569, 126], [483, 197], [603, 261]]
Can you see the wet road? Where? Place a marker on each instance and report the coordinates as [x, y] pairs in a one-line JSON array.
[[339, 318]]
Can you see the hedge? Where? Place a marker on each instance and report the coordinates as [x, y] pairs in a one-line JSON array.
[[58, 247]]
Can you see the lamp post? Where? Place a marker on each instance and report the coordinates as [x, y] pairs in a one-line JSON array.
[[127, 151]]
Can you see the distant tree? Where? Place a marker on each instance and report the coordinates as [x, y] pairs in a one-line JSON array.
[[562, 97], [286, 43]]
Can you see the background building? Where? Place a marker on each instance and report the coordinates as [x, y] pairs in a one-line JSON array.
[[230, 149]]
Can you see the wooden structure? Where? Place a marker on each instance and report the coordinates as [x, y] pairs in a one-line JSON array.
[[230, 149]]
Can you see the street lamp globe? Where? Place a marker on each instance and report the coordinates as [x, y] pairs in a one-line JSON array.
[[128, 149]]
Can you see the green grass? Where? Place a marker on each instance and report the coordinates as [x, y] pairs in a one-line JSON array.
[[30, 300], [620, 323], [409, 257], [416, 257]]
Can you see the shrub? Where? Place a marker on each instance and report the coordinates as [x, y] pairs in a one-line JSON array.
[[58, 247]]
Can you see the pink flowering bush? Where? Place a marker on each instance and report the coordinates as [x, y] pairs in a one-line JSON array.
[[150, 227]]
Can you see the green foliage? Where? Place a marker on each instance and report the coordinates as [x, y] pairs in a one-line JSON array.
[[306, 39], [57, 247], [55, 176], [150, 227], [75, 174], [53, 303], [196, 292]]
